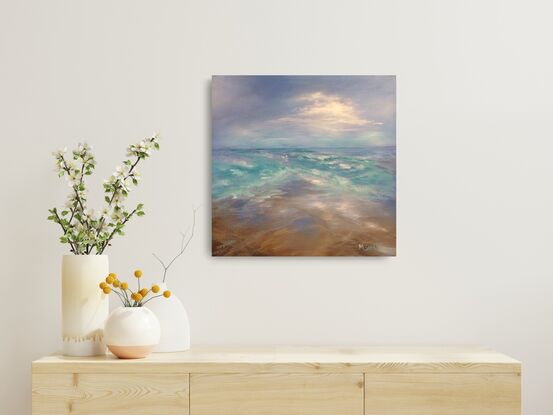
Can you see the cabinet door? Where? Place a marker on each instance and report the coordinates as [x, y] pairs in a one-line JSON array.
[[276, 394], [110, 394], [442, 394]]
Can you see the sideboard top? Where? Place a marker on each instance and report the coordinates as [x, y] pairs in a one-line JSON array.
[[371, 359]]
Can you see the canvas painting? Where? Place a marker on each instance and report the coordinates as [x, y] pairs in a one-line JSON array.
[[303, 166]]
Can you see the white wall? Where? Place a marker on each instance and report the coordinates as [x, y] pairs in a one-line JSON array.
[[474, 169]]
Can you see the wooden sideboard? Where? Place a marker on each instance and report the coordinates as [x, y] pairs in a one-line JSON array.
[[283, 381]]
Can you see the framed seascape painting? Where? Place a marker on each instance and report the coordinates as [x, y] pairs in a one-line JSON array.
[[304, 166]]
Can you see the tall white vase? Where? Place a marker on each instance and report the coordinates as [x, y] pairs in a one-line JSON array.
[[173, 321], [84, 307]]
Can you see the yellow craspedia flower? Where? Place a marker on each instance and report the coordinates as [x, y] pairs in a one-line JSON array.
[[167, 293], [111, 274], [133, 296], [155, 289], [143, 292], [116, 283], [124, 285], [103, 285], [106, 290], [137, 273], [110, 279], [138, 297]]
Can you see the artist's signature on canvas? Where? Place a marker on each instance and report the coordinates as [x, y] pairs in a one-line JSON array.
[[368, 247]]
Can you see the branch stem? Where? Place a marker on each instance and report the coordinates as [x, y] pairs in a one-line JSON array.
[[64, 231]]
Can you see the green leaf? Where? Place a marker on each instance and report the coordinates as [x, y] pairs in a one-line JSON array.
[[140, 213], [64, 212], [106, 199], [139, 206]]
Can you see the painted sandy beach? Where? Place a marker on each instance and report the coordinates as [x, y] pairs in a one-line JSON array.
[[300, 202], [283, 188]]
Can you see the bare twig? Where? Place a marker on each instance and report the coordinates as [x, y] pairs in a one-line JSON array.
[[184, 244]]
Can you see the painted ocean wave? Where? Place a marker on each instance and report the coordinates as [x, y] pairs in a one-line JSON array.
[[367, 173]]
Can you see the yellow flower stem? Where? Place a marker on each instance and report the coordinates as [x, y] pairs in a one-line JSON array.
[[143, 298], [128, 301], [151, 298], [120, 296]]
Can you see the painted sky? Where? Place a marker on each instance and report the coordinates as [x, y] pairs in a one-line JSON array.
[[303, 111]]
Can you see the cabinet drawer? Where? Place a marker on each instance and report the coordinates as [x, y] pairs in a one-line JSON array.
[[276, 394], [442, 394], [110, 394]]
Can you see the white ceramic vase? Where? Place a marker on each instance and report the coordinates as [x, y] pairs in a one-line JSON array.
[[174, 323], [84, 306], [132, 332]]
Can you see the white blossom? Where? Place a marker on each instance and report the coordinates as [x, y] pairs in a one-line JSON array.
[[70, 202], [75, 176], [117, 216], [88, 214], [120, 172], [60, 153], [127, 185]]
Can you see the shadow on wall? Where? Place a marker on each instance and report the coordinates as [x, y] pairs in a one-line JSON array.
[[208, 164]]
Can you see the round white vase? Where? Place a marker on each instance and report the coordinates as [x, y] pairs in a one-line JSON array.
[[132, 332], [84, 306], [174, 323]]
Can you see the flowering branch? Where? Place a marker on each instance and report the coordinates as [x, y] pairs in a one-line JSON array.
[[58, 219], [83, 231]]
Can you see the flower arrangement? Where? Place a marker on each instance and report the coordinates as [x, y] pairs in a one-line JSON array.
[[128, 297], [83, 230]]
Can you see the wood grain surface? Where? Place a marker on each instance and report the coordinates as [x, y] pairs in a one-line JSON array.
[[442, 394], [276, 394], [447, 359], [113, 394]]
